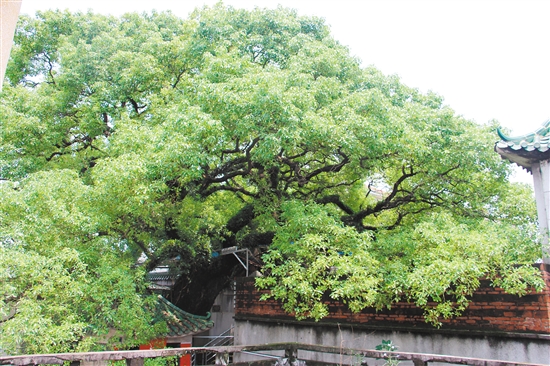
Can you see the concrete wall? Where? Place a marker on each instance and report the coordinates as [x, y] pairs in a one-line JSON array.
[[495, 326], [223, 312], [509, 347]]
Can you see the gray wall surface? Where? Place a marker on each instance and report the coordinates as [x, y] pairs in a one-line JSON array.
[[223, 318], [507, 347]]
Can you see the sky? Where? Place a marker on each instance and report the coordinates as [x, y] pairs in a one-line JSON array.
[[489, 59]]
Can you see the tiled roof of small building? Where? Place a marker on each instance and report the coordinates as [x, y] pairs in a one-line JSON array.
[[179, 322], [526, 149], [161, 273]]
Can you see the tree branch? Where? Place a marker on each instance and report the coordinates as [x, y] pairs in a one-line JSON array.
[[335, 199]]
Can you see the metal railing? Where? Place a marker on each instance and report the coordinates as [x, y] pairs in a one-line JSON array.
[[209, 358], [291, 357]]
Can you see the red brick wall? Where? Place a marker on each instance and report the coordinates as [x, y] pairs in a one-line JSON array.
[[491, 309]]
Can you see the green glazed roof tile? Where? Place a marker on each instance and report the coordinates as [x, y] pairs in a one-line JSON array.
[[179, 322], [526, 149]]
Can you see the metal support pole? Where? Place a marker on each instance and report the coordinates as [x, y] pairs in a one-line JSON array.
[[241, 262]]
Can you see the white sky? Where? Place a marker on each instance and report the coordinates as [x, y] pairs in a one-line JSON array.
[[489, 59]]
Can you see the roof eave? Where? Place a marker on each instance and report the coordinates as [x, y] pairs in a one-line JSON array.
[[522, 157]]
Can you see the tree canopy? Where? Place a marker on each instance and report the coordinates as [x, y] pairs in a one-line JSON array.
[[158, 137]]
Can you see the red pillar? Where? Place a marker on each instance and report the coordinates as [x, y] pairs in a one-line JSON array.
[[185, 360]]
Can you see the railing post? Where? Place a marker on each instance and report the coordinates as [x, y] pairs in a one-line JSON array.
[[419, 362], [291, 353], [135, 362], [222, 359], [185, 359]]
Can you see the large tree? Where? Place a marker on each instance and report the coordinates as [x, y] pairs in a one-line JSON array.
[[152, 136]]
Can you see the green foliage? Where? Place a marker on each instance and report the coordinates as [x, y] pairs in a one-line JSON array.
[[63, 287], [42, 292], [149, 135], [314, 254], [162, 361], [387, 345], [159, 361], [438, 263]]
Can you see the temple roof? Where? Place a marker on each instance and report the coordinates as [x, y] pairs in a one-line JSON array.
[[179, 322], [526, 149]]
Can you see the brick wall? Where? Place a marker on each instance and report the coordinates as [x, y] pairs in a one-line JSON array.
[[491, 310]]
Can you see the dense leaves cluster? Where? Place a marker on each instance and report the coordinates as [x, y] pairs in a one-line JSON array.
[[62, 287], [149, 135]]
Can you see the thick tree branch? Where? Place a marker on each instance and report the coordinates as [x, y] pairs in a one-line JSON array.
[[334, 168], [86, 142], [178, 78], [296, 171], [50, 68], [218, 188], [136, 106], [390, 202], [335, 199]]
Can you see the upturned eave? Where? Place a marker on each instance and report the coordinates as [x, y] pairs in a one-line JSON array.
[[527, 149]]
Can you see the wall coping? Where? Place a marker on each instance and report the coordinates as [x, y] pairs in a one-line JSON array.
[[492, 313], [392, 327]]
